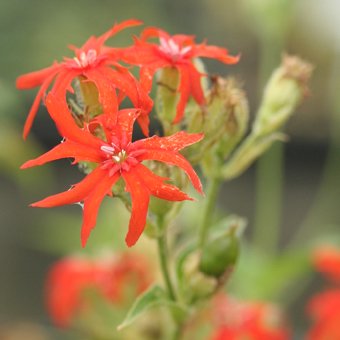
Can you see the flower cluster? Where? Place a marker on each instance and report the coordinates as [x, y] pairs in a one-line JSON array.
[[70, 278], [236, 319], [324, 307], [97, 131]]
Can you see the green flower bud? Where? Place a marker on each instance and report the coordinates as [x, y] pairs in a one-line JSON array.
[[284, 91], [223, 122], [167, 98], [221, 252], [193, 284]]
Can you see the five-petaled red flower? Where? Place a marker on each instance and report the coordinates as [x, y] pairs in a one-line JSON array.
[[93, 62], [176, 51], [117, 157]]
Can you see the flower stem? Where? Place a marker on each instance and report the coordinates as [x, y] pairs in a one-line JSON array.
[[269, 171], [212, 194], [163, 258]]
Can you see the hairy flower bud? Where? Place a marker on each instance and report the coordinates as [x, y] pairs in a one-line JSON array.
[[224, 122], [284, 92]]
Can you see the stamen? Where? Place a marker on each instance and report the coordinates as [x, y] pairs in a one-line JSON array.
[[86, 58], [172, 49], [107, 149]]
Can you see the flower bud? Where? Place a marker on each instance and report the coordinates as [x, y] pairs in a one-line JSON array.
[[167, 98], [221, 252], [194, 285], [223, 121], [284, 91]]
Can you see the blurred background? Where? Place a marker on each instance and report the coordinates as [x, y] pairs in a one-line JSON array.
[[34, 33]]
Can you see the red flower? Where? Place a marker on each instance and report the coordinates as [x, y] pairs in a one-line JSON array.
[[68, 280], [324, 308], [326, 260], [176, 51], [118, 157], [92, 61], [247, 320]]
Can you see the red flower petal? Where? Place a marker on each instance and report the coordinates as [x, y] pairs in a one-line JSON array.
[[33, 111], [140, 197], [67, 149], [184, 89], [76, 194], [117, 28], [144, 122], [126, 120], [157, 186], [92, 203], [153, 32], [214, 52], [63, 82], [174, 158], [175, 142], [106, 90], [36, 78], [195, 83], [65, 123]]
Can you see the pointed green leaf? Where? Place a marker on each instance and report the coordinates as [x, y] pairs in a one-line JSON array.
[[154, 296]]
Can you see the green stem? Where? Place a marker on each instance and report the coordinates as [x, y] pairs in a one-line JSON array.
[[269, 171], [324, 212], [269, 183], [210, 203], [163, 258]]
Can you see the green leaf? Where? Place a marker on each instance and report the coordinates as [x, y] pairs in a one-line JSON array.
[[155, 296]]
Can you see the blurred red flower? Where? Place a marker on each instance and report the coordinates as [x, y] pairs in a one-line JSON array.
[[326, 260], [238, 320], [324, 308], [69, 278]]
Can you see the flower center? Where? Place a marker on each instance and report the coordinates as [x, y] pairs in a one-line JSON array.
[[172, 49], [118, 159], [86, 58]]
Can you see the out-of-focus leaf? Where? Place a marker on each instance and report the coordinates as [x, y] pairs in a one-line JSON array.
[[153, 297], [58, 231], [14, 152], [259, 277]]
